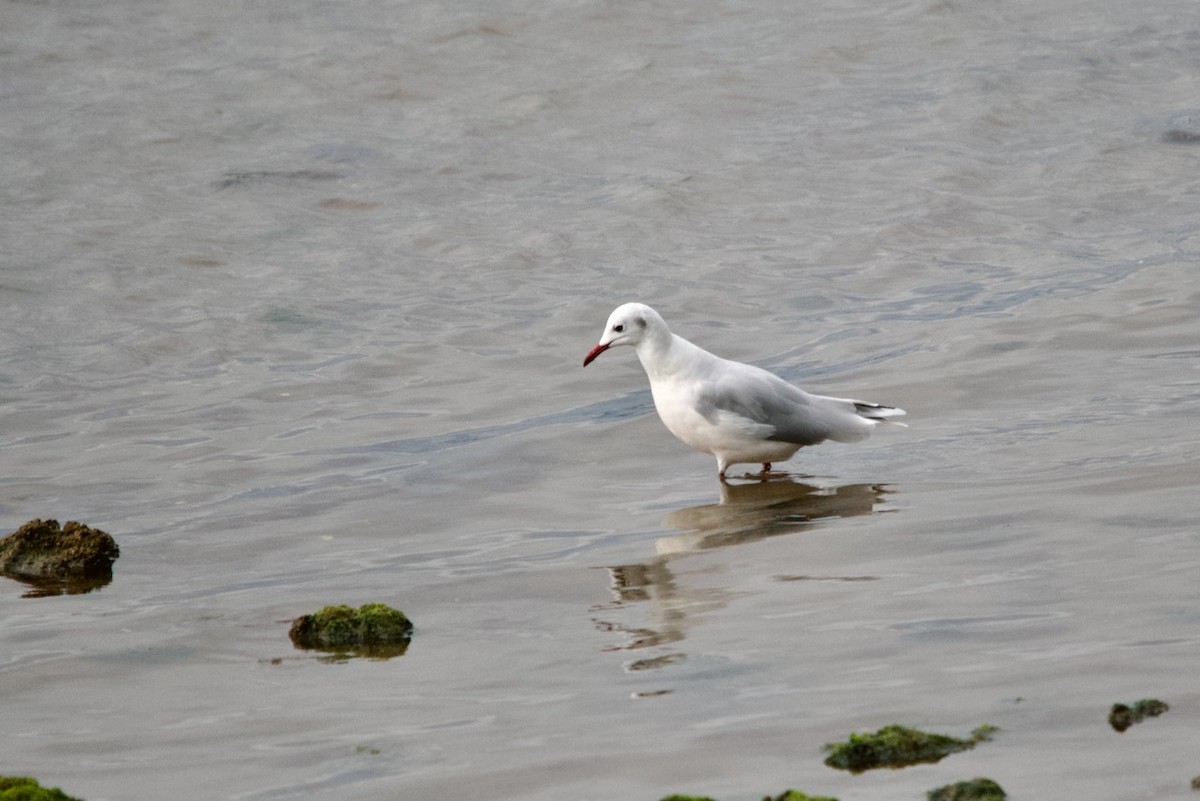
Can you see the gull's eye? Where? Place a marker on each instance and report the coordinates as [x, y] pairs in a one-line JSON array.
[[619, 328]]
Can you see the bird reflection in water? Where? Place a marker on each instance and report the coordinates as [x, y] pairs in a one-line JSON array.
[[744, 513], [755, 511]]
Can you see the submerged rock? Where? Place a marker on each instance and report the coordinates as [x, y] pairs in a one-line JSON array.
[[1183, 129], [74, 558], [1122, 717], [786, 795], [23, 788], [974, 790], [374, 630], [897, 747]]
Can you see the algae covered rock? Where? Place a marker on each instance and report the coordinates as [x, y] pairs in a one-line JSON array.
[[371, 630], [23, 788], [896, 747], [974, 790], [73, 558], [1122, 717], [786, 795]]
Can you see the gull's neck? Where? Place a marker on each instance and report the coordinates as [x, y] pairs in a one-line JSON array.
[[664, 355]]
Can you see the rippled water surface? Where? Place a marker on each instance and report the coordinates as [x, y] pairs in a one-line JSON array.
[[294, 304]]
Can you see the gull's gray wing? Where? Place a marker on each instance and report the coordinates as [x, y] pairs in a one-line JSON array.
[[792, 414]]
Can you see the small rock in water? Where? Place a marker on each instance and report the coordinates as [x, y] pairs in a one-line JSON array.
[[896, 747], [798, 795], [24, 788], [73, 558], [374, 630], [974, 790], [1123, 716], [1183, 129]]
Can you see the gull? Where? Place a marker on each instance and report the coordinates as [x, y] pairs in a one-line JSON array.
[[737, 412]]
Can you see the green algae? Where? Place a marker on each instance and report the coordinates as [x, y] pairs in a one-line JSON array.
[[1122, 716], [374, 630], [975, 790], [897, 747], [23, 788]]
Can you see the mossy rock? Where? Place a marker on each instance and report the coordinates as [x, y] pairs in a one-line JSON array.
[[1122, 716], [974, 790], [371, 630], [678, 797], [73, 558], [23, 788], [897, 747], [796, 795]]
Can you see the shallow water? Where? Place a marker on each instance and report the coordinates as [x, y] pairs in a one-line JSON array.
[[295, 300]]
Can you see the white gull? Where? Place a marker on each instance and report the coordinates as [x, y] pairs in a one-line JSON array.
[[737, 412]]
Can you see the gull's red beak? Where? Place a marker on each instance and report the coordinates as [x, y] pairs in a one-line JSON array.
[[593, 353]]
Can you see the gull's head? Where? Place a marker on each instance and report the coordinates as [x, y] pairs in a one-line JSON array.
[[627, 325]]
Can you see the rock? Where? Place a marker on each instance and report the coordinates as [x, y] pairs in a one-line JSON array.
[[23, 788], [1121, 717], [974, 790], [74, 558], [896, 747], [1183, 129], [374, 630]]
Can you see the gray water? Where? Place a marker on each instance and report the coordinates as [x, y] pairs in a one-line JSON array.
[[295, 298]]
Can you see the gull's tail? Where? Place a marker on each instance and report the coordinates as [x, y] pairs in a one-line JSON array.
[[878, 413]]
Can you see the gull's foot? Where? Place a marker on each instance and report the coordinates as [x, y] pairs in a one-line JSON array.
[[767, 474]]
